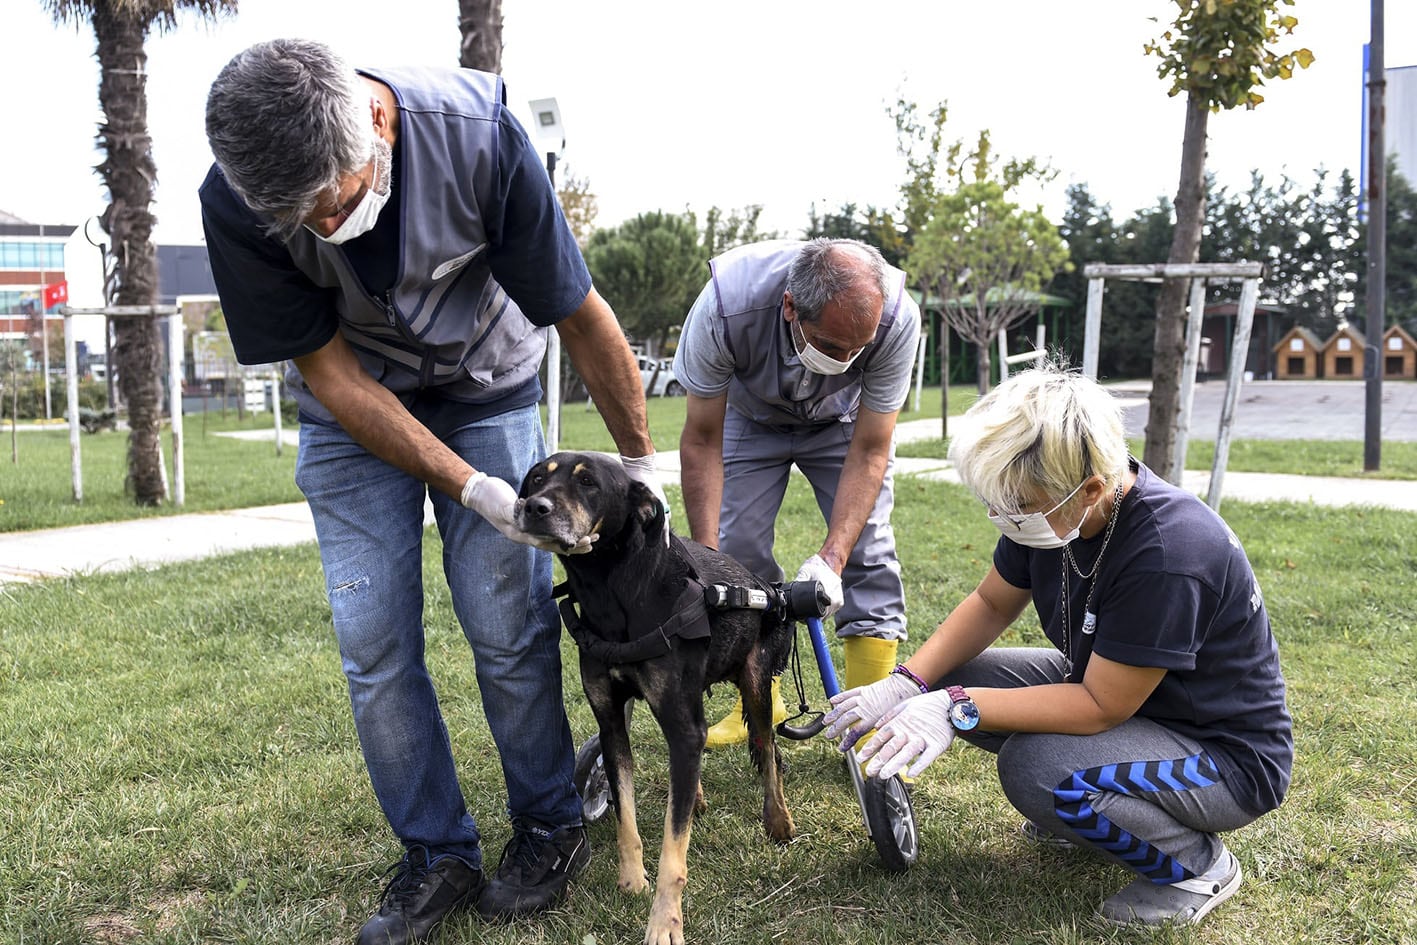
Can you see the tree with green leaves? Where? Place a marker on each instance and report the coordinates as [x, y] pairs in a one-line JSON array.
[[982, 254], [1219, 53], [1401, 290], [651, 269], [578, 203], [121, 28], [723, 231], [872, 225]]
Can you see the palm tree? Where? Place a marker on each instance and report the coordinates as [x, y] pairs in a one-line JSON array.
[[121, 27], [480, 22]]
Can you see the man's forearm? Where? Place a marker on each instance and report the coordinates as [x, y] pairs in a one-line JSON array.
[[856, 494], [604, 361], [377, 420], [380, 423], [701, 477]]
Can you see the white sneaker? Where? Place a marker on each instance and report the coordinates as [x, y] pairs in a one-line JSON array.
[[1043, 836], [1143, 902]]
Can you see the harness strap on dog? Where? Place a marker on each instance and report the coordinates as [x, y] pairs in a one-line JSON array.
[[688, 621]]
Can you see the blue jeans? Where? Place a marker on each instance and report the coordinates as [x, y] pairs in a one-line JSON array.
[[369, 521]]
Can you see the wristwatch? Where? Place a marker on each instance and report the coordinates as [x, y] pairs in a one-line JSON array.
[[964, 714]]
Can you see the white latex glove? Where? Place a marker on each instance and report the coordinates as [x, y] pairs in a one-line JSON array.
[[856, 711], [495, 500], [816, 569], [918, 730], [641, 469]]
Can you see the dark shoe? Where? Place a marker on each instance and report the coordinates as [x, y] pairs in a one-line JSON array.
[[420, 896], [537, 865]]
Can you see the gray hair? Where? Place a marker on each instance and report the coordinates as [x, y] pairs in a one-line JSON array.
[[837, 269], [1037, 435], [285, 120]]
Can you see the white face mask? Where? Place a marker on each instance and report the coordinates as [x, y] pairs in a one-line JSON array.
[[1033, 530], [366, 213], [817, 362]]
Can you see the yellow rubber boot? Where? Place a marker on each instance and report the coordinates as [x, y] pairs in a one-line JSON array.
[[732, 730], [868, 659]]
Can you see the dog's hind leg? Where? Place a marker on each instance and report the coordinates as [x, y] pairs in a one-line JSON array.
[[756, 688]]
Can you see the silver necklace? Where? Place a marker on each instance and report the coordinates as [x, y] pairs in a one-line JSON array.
[[1088, 620]]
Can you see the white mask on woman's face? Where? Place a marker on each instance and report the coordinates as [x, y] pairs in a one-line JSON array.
[[817, 362], [365, 214], [1032, 529]]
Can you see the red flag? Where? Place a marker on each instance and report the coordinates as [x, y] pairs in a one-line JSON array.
[[56, 294]]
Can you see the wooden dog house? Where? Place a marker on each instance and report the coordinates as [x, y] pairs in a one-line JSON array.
[[1399, 354], [1297, 355], [1343, 354]]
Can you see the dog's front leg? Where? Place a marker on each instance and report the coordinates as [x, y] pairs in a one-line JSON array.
[[685, 735], [613, 719]]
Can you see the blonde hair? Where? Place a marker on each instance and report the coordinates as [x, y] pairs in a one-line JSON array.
[[1038, 435]]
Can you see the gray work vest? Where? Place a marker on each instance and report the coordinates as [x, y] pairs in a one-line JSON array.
[[446, 323], [770, 385]]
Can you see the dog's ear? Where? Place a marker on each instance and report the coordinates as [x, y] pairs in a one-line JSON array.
[[646, 508]]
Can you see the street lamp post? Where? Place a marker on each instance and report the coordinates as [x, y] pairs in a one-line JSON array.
[[551, 136]]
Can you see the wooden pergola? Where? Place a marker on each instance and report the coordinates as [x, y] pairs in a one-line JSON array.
[[1248, 274]]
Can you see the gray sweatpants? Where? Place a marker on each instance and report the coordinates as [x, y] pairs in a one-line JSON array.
[[756, 462], [1140, 794]]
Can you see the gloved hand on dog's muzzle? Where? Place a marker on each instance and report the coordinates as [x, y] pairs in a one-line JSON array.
[[641, 469], [856, 711], [816, 568], [495, 500], [917, 730]]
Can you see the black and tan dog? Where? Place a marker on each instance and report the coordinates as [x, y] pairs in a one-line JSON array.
[[644, 632]]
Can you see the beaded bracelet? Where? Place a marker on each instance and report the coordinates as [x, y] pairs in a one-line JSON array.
[[903, 671]]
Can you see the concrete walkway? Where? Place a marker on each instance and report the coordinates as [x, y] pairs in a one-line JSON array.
[[149, 543]]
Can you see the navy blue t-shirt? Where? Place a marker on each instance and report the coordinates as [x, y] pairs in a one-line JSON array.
[[274, 312], [1175, 591]]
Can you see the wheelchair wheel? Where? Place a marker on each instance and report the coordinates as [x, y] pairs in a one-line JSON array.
[[891, 821], [592, 783]]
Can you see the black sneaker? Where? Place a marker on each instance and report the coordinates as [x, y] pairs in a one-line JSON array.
[[537, 864], [420, 896]]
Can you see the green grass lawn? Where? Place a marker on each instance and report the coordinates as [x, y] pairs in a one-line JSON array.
[[221, 473], [178, 765]]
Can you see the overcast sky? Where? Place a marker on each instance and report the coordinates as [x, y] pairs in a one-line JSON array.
[[669, 105]]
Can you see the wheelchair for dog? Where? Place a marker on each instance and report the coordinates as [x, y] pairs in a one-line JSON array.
[[885, 806]]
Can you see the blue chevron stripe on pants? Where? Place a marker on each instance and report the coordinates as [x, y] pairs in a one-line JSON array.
[[1146, 797]]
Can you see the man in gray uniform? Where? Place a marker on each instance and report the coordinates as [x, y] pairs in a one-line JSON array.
[[800, 353]]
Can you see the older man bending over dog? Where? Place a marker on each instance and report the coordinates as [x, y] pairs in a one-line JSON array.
[[393, 234], [800, 353]]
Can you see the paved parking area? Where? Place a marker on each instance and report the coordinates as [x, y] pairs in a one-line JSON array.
[[1288, 410]]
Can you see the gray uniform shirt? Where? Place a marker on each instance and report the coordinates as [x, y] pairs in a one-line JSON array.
[[735, 339]]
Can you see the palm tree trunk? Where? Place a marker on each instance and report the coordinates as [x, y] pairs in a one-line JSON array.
[[480, 22], [1169, 341], [129, 173]]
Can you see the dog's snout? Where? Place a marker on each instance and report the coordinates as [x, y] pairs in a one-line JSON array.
[[539, 505]]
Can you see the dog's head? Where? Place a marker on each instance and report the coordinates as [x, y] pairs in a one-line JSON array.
[[570, 495]]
